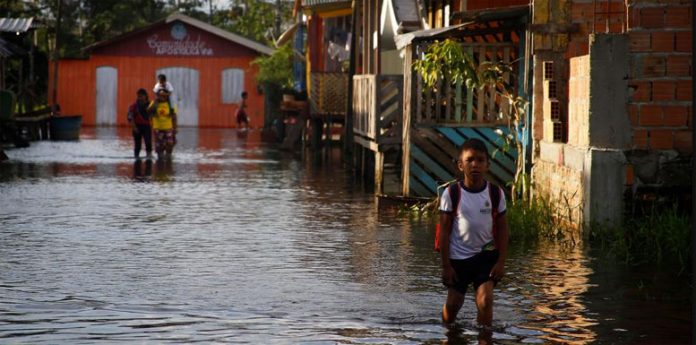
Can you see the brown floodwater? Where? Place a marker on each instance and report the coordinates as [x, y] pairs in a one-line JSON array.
[[236, 241]]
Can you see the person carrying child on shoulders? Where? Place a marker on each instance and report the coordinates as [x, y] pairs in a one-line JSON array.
[[473, 240], [164, 123]]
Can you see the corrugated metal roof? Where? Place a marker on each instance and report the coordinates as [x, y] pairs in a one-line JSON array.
[[253, 45], [8, 49], [15, 24], [321, 2]]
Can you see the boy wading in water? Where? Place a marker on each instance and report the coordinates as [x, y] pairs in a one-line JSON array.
[[164, 123], [474, 235], [139, 118]]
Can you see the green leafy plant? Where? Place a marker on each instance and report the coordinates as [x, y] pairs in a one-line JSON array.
[[276, 69], [447, 60]]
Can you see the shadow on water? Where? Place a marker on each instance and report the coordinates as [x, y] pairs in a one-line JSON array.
[[233, 240]]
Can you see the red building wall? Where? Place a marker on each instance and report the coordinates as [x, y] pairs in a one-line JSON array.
[[137, 64]]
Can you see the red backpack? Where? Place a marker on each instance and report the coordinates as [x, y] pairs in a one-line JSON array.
[[454, 190]]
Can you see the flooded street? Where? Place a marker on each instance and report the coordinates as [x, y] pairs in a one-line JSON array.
[[235, 241]]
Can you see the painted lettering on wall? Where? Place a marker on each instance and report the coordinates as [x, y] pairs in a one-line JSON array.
[[180, 44]]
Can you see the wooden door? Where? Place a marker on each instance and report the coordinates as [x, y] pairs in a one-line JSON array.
[[185, 97], [107, 86]]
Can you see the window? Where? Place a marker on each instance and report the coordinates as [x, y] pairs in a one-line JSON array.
[[232, 85], [548, 70], [552, 89]]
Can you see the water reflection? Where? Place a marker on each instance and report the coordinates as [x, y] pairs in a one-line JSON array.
[[235, 241], [138, 173]]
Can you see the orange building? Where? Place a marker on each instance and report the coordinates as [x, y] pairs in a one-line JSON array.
[[207, 66]]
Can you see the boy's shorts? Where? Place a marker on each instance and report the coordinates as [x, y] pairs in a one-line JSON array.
[[163, 138], [476, 270]]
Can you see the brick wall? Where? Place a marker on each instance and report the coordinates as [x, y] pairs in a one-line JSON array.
[[562, 186], [660, 74], [579, 101]]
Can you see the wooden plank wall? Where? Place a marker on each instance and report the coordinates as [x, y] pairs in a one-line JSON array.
[[433, 150]]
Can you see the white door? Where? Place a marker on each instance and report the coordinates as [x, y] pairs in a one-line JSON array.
[[107, 85], [185, 97]]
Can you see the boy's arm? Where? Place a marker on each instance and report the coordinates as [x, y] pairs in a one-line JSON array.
[[131, 117], [498, 270], [448, 275]]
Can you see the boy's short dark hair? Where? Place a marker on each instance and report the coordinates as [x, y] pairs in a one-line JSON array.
[[141, 92], [244, 94], [162, 77], [474, 144]]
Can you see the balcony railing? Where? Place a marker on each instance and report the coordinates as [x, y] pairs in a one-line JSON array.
[[453, 103], [378, 107]]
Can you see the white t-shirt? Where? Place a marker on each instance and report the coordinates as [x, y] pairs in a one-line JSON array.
[[167, 86], [472, 227]]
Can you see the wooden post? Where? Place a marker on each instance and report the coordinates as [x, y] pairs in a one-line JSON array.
[[408, 101], [56, 53], [379, 170], [348, 124]]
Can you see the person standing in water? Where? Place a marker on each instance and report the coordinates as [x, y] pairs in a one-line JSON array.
[[473, 238], [242, 117], [164, 123], [139, 119]]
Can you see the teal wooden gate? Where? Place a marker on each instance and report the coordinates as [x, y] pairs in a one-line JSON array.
[[433, 151]]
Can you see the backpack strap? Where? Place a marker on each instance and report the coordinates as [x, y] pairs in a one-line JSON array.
[[455, 196], [494, 194]]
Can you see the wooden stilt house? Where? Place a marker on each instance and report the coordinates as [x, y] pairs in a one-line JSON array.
[[326, 63], [378, 85], [436, 121]]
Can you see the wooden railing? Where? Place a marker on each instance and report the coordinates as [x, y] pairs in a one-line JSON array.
[[453, 103], [378, 107], [328, 93]]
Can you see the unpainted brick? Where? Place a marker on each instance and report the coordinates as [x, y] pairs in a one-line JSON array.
[[683, 41], [650, 115], [662, 41], [684, 90], [663, 91], [633, 110], [652, 66], [675, 116], [661, 139], [641, 91], [678, 66], [683, 141], [678, 17], [639, 41], [652, 17], [640, 139]]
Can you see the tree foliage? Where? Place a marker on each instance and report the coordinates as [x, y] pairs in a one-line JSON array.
[[85, 22], [276, 69]]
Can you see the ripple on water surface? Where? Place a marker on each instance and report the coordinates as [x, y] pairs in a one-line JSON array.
[[235, 241]]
